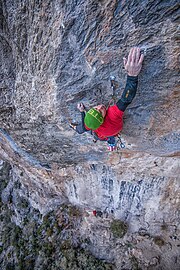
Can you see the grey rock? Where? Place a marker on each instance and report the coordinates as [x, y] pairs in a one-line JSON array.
[[54, 54]]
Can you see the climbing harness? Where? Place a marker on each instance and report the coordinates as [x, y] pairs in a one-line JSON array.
[[111, 147], [116, 145], [111, 143]]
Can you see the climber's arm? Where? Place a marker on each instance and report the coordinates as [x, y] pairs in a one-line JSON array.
[[81, 127], [133, 67], [129, 93]]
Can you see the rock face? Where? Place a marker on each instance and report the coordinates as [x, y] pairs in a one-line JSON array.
[[29, 240], [54, 54]]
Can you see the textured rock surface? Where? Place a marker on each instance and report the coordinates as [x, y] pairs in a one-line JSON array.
[[29, 240], [54, 54]]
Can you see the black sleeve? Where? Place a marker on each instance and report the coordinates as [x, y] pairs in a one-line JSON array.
[[81, 127], [82, 116], [129, 93]]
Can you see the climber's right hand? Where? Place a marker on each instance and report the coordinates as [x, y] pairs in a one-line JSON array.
[[81, 107]]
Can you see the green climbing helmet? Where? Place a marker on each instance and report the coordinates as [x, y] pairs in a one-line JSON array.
[[93, 119]]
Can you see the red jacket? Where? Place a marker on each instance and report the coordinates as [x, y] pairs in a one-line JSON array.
[[112, 124]]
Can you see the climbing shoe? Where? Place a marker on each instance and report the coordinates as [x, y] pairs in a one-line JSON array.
[[73, 126]]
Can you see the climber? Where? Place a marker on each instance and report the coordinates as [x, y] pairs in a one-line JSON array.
[[105, 124]]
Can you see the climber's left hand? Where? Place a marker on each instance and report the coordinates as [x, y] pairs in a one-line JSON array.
[[133, 64]]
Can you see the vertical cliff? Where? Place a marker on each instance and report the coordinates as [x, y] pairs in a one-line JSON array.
[[54, 54]]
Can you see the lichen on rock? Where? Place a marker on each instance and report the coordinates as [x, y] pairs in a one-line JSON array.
[[118, 228]]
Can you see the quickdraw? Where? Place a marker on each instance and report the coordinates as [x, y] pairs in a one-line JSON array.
[[113, 87], [121, 144]]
